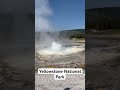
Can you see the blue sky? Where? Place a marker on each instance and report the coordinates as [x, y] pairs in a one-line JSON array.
[[68, 14], [59, 15]]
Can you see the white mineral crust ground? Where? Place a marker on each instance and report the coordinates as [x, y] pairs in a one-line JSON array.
[[65, 55], [47, 82], [58, 49]]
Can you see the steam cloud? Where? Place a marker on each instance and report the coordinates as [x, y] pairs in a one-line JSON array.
[[42, 22], [42, 12]]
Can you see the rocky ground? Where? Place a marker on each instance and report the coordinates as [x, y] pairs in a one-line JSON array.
[[103, 63], [73, 60], [16, 67], [47, 82], [60, 61]]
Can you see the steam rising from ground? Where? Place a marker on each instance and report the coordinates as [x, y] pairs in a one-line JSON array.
[[42, 12], [43, 24], [56, 46], [58, 49]]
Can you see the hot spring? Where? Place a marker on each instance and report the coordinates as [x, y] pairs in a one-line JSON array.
[[59, 49]]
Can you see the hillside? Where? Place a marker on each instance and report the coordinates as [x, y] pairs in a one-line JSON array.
[[103, 18], [76, 33]]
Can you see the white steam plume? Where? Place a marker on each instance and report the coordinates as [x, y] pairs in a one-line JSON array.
[[42, 12]]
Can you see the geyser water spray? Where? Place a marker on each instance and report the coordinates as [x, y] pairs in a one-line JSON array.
[[55, 46]]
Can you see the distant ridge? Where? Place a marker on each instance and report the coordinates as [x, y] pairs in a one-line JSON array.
[[103, 18], [74, 30], [74, 33]]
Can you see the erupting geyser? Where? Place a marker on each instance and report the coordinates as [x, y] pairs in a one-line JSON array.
[[58, 49], [56, 46]]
